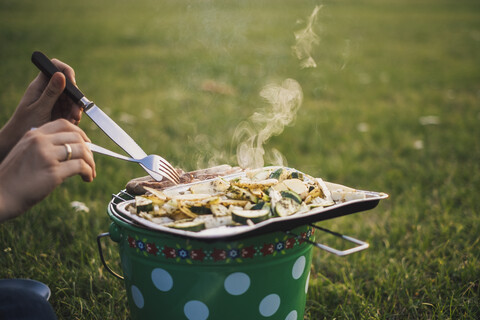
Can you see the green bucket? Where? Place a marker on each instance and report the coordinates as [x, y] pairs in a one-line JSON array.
[[173, 277]]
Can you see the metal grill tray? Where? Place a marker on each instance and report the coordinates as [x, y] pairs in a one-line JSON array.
[[118, 207]]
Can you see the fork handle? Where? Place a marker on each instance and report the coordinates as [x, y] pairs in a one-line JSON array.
[[48, 68], [107, 152]]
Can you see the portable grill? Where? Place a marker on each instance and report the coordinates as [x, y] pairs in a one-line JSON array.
[[256, 272]]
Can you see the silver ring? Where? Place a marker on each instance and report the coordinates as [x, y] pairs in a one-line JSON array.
[[68, 150]]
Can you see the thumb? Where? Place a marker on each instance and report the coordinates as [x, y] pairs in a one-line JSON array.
[[52, 91]]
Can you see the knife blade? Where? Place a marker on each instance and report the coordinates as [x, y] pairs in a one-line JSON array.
[[100, 118]]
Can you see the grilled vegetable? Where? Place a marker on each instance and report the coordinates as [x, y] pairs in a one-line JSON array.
[[297, 175], [260, 174], [202, 188], [143, 204], [219, 210], [230, 202], [157, 194], [237, 193], [254, 184], [212, 187], [258, 206], [297, 186], [279, 174], [280, 187], [188, 225], [257, 196], [292, 195], [220, 185], [193, 204], [286, 207], [201, 210], [242, 216], [214, 221]]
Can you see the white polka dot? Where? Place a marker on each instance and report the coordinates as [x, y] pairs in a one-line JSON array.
[[137, 297], [292, 315], [269, 305], [162, 280], [195, 310], [306, 284], [237, 283], [298, 268]]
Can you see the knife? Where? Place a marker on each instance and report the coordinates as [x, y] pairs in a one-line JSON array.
[[101, 119]]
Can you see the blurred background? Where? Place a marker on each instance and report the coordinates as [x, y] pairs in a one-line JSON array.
[[390, 102]]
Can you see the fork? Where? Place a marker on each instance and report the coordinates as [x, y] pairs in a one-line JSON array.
[[152, 162]]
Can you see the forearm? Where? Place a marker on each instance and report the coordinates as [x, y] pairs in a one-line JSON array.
[[8, 209], [10, 134]]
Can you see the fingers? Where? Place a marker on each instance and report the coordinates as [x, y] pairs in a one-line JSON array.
[[68, 152], [61, 133], [45, 100], [52, 92], [66, 69], [76, 166], [75, 115], [68, 137], [64, 130]]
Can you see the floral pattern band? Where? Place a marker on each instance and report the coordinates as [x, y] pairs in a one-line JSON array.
[[226, 254]]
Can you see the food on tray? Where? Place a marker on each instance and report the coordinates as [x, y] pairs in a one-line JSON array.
[[137, 186], [245, 199]]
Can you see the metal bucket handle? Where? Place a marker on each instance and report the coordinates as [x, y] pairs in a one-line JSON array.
[[99, 237], [361, 244]]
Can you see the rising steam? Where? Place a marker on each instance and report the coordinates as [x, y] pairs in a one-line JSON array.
[[250, 136], [305, 39]]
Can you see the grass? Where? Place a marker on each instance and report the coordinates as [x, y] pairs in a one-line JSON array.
[[382, 66]]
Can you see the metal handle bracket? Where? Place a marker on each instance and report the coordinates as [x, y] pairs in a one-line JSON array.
[[361, 244], [99, 238]]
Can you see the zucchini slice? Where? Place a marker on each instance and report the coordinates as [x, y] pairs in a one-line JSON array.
[[297, 175], [242, 216], [202, 188], [201, 210], [292, 195], [237, 193], [143, 204], [297, 186], [280, 174], [188, 225], [251, 185], [286, 207], [219, 210], [258, 206]]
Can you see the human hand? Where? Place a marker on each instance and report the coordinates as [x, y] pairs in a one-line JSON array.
[[42, 102], [38, 164]]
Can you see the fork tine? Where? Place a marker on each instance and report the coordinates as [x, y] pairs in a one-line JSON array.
[[171, 172], [165, 173], [153, 163], [168, 174], [168, 170], [169, 167]]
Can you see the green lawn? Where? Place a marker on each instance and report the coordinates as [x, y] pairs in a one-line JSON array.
[[393, 105]]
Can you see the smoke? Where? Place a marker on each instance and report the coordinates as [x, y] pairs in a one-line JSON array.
[[208, 152], [250, 136], [305, 39], [283, 102]]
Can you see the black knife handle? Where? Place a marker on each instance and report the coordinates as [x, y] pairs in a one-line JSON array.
[[48, 68]]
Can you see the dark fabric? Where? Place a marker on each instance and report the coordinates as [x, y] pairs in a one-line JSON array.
[[18, 304]]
